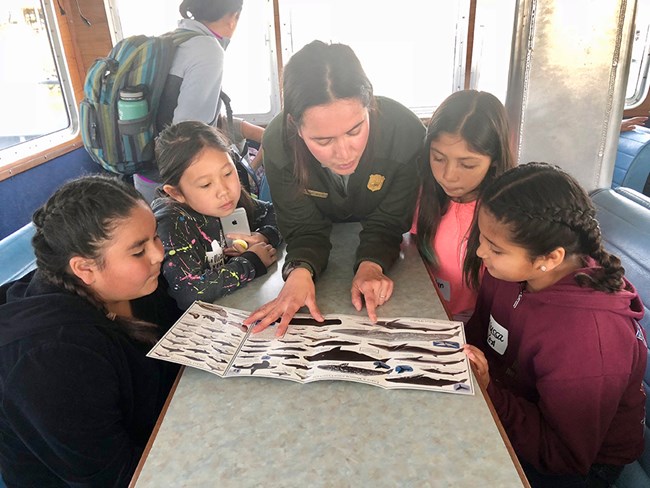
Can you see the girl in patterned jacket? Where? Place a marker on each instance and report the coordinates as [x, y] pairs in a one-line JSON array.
[[200, 186]]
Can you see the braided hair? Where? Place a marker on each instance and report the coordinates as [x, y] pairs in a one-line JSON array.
[[76, 221], [545, 208]]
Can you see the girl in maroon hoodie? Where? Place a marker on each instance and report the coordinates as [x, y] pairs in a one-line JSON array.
[[555, 334]]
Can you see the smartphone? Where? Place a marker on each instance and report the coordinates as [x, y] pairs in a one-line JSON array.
[[235, 223]]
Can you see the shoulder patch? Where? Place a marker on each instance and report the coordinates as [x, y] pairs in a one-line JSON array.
[[317, 194]]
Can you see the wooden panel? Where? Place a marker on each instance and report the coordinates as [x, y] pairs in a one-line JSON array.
[[89, 41]]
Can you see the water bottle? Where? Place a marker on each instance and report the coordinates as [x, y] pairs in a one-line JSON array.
[[131, 104]]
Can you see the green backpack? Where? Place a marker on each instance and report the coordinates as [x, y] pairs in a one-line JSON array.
[[135, 71]]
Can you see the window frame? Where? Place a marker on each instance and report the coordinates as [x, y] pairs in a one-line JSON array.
[[28, 154], [641, 87]]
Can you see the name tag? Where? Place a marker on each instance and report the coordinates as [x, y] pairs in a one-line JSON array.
[[317, 194], [215, 257], [444, 288], [497, 337]]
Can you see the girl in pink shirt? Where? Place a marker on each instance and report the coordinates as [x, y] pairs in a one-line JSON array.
[[467, 146]]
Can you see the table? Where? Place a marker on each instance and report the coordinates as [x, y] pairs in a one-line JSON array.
[[242, 432]]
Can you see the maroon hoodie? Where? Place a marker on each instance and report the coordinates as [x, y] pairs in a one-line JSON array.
[[566, 365]]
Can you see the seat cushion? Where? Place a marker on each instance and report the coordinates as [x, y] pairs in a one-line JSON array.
[[624, 218], [16, 254]]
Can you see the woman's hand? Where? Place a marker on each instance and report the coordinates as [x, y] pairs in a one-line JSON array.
[[297, 291], [479, 365], [250, 240], [373, 285]]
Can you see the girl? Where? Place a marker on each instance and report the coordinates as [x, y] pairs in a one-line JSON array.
[[79, 397], [201, 184], [466, 147], [558, 344], [338, 153]]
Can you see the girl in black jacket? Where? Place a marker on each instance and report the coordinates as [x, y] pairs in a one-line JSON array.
[[78, 397]]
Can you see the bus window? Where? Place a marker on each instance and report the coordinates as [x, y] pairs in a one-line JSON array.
[[250, 72], [409, 53], [412, 51], [637, 83], [418, 59], [34, 85], [492, 46]]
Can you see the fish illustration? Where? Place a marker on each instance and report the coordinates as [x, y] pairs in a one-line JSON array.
[[213, 308], [172, 341], [318, 338], [285, 356], [439, 371], [414, 349], [171, 349], [403, 368], [423, 380], [396, 324], [314, 322], [254, 367], [205, 336], [281, 373], [338, 354], [197, 351], [297, 366], [334, 343], [431, 361], [395, 336], [346, 368]]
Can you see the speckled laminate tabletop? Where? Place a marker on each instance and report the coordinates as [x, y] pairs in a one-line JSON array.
[[249, 432]]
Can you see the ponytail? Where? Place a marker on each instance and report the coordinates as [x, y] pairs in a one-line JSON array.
[[209, 10]]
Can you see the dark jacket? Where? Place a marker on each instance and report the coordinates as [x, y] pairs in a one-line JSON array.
[[567, 387], [187, 238], [79, 398], [381, 193]]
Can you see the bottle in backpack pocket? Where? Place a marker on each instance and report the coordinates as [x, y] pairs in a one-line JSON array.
[[132, 104]]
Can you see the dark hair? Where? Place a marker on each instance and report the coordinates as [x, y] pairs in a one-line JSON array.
[[76, 221], [318, 74], [480, 120], [178, 146], [545, 208], [209, 10]]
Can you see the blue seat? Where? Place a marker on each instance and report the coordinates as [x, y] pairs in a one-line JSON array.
[[624, 217], [16, 254], [632, 159]]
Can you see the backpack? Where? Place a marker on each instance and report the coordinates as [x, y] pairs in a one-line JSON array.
[[135, 64]]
